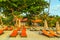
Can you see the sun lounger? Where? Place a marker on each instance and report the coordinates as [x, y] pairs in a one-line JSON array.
[[23, 33], [5, 28], [1, 32], [58, 32], [54, 33], [47, 33], [11, 28], [18, 29], [31, 29], [14, 33]]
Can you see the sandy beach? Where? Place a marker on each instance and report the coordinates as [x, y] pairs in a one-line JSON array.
[[30, 36]]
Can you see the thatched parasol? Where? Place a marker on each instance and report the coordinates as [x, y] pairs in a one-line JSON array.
[[45, 24], [24, 20], [37, 21], [57, 27]]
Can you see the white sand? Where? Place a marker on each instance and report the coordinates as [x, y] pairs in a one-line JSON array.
[[30, 36]]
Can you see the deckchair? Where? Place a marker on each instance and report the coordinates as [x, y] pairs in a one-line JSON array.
[[11, 28], [47, 33], [1, 32], [5, 28], [58, 32], [54, 33], [32, 29], [14, 33], [44, 30], [24, 28], [18, 29], [23, 33]]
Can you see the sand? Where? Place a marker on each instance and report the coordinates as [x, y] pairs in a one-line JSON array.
[[30, 36]]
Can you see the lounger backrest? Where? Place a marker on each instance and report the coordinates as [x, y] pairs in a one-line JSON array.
[[1, 31], [53, 33], [15, 31], [6, 28], [44, 31], [11, 28], [18, 28]]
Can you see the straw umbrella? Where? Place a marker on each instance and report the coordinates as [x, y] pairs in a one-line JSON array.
[[57, 27], [35, 24], [24, 21], [36, 21], [45, 24]]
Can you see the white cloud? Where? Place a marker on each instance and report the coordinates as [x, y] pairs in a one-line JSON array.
[[57, 7], [55, 10]]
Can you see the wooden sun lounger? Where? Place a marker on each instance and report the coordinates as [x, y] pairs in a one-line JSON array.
[[23, 33], [18, 29], [47, 33], [11, 28], [54, 33], [5, 28], [58, 32], [14, 33], [1, 32]]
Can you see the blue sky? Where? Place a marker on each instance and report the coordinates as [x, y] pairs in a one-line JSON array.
[[54, 7]]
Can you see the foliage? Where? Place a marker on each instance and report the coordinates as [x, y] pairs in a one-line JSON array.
[[16, 7]]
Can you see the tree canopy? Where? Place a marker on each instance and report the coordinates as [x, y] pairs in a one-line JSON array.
[[14, 8]]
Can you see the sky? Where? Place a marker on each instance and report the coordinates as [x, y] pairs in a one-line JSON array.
[[55, 7]]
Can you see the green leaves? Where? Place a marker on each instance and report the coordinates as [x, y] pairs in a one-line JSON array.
[[0, 0], [3, 0], [7, 20], [15, 5], [33, 5], [16, 13], [14, 0]]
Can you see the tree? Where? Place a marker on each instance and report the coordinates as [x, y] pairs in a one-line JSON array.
[[16, 7]]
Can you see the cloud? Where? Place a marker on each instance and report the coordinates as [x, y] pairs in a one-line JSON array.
[[57, 7], [55, 10]]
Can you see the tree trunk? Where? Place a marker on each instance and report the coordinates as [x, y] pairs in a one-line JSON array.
[[19, 23], [16, 19]]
